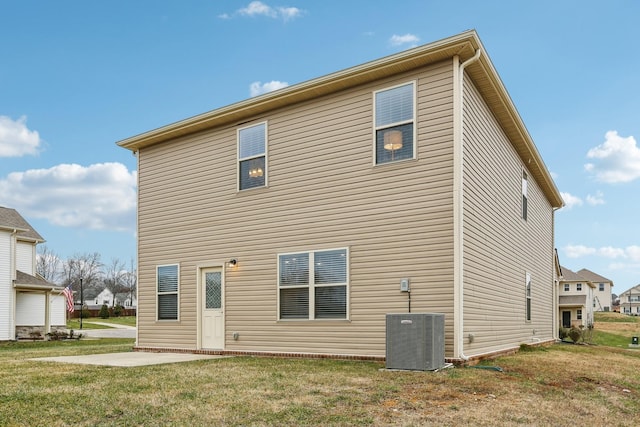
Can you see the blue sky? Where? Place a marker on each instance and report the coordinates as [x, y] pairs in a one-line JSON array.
[[78, 76]]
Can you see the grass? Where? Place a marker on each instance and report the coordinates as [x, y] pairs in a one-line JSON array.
[[90, 322], [560, 385]]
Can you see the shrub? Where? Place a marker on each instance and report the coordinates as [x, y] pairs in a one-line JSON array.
[[85, 313], [563, 333], [104, 312], [117, 310], [575, 334]]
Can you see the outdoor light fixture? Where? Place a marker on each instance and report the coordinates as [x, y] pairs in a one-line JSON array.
[[392, 141], [232, 262]]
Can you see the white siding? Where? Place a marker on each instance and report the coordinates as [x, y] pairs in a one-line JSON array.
[[500, 247], [58, 310], [30, 309], [6, 290], [25, 257]]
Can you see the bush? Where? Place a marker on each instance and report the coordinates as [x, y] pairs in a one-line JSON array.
[[117, 310], [575, 334], [85, 313], [104, 312], [563, 333]]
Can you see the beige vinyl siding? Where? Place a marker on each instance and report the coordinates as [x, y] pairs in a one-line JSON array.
[[500, 247], [323, 193]]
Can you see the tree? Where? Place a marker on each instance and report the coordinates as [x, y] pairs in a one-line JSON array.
[[85, 266], [48, 264]]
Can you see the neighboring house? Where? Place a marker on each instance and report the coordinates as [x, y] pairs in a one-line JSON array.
[[630, 301], [602, 300], [28, 303], [289, 223], [107, 297], [575, 303]]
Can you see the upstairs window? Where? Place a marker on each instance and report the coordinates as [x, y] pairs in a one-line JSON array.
[[313, 285], [567, 287], [579, 287], [252, 157], [395, 123], [601, 287], [524, 195], [167, 292]]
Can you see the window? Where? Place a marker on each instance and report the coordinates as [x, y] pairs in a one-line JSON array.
[[525, 186], [579, 314], [394, 123], [167, 291], [313, 285], [252, 159], [528, 296], [567, 287], [601, 287], [578, 286]]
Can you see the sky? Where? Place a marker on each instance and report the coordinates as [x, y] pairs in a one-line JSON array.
[[78, 76]]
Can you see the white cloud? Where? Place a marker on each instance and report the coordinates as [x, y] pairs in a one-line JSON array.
[[258, 88], [397, 40], [611, 252], [633, 252], [257, 8], [570, 200], [615, 160], [598, 199], [16, 140], [99, 197], [577, 251], [224, 16]]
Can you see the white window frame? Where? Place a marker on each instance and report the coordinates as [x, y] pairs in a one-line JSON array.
[[579, 314], [528, 301], [377, 128], [567, 287], [601, 287], [579, 287], [176, 292], [256, 156], [312, 286]]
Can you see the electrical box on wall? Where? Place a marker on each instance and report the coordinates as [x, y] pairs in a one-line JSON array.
[[404, 285]]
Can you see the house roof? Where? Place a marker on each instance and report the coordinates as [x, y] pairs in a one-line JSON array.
[[571, 276], [588, 274], [10, 219], [27, 281], [635, 289], [464, 45]]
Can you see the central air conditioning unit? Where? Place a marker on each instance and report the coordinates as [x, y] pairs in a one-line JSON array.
[[415, 341]]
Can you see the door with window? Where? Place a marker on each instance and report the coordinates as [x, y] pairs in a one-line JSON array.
[[212, 309]]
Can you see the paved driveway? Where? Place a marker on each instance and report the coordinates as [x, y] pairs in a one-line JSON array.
[[115, 331]]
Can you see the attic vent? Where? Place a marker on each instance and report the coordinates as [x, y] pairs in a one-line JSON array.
[[415, 341]]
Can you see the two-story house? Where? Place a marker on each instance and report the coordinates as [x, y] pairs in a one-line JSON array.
[[602, 300], [293, 222], [630, 301], [28, 304], [576, 295]]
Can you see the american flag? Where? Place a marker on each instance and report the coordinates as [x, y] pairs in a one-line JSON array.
[[68, 293]]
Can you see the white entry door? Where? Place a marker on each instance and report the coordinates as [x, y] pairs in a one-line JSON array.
[[212, 309]]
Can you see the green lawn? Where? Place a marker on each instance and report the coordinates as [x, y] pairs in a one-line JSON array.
[[90, 322], [560, 385]]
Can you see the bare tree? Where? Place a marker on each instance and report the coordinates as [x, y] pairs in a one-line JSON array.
[[48, 264], [130, 280], [86, 266]]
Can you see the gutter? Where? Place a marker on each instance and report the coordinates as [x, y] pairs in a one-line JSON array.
[[458, 210]]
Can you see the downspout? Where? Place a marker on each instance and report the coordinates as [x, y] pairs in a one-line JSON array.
[[458, 199], [137, 156]]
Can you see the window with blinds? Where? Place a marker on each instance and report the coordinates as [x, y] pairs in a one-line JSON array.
[[252, 159], [313, 285], [395, 123], [167, 292]]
